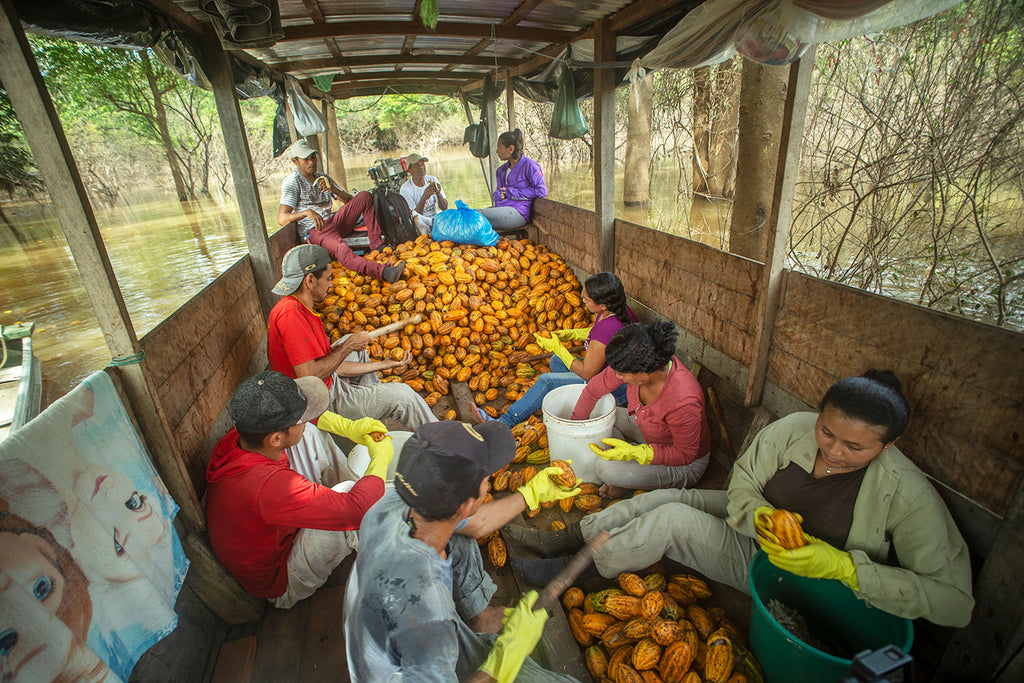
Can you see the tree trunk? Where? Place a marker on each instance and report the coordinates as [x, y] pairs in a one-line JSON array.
[[715, 113], [637, 186], [762, 100], [165, 133]]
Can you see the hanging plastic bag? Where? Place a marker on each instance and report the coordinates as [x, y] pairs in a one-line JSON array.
[[567, 121], [464, 226], [308, 120]]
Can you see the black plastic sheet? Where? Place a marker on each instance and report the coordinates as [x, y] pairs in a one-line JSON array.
[[112, 23]]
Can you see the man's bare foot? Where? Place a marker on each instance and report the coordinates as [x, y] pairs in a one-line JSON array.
[[609, 491], [488, 621]]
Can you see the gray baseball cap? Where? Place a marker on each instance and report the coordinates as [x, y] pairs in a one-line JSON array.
[[297, 263]]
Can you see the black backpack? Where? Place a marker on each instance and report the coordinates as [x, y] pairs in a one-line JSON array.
[[393, 216]]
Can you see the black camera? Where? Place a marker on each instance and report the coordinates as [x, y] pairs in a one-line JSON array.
[[388, 173]]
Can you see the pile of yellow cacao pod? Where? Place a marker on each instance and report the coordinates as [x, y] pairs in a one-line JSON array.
[[480, 308], [655, 629]]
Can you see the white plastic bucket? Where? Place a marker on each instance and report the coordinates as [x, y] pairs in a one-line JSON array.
[[359, 457], [569, 439]]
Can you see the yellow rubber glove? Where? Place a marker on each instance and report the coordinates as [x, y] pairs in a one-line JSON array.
[[547, 343], [381, 454], [541, 489], [578, 334], [817, 560], [355, 430], [555, 346], [523, 627], [623, 450]]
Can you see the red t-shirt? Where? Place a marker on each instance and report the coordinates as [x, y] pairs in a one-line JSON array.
[[255, 506], [295, 335]]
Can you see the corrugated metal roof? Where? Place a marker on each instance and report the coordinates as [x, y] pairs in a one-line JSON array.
[[374, 44]]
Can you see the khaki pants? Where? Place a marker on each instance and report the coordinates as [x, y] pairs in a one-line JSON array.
[[687, 525], [367, 396], [315, 554]]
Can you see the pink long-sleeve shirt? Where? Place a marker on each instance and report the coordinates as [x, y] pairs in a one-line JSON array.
[[674, 424]]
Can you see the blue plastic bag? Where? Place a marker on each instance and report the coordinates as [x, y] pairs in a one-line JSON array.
[[463, 225]]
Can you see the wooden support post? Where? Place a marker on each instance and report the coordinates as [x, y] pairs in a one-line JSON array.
[[247, 194], [335, 159], [492, 138], [604, 146], [510, 101], [52, 154], [292, 131], [989, 649], [777, 230]]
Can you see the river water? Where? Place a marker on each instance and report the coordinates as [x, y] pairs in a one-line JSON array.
[[162, 256]]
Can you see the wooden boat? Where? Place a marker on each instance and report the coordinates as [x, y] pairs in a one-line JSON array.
[[770, 340], [21, 380]]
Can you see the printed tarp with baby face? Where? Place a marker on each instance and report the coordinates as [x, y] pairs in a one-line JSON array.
[[90, 564]]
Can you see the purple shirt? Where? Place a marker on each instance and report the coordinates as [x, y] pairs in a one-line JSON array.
[[605, 328], [522, 183]]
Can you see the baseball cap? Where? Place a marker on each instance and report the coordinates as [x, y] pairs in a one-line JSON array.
[[300, 149], [443, 463], [297, 263], [271, 402], [415, 158]]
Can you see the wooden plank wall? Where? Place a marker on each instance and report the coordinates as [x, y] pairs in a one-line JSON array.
[[567, 230], [964, 380], [710, 293], [199, 355]]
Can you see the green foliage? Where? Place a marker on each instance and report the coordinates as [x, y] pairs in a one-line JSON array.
[[17, 169]]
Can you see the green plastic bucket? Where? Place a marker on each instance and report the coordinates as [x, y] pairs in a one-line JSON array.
[[833, 613]]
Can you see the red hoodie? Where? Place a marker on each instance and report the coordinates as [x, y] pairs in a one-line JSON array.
[[255, 506]]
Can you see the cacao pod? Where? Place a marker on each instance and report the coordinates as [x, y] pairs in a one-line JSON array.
[[646, 655], [638, 628], [666, 631], [572, 598], [496, 552], [785, 525], [576, 625], [676, 661], [718, 661], [597, 624], [651, 604], [698, 616], [632, 584], [596, 661], [566, 477]]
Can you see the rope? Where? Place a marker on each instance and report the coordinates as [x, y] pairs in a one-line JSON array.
[[133, 359]]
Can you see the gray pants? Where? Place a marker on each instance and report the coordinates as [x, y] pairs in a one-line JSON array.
[[630, 474], [503, 217], [686, 525], [367, 396]]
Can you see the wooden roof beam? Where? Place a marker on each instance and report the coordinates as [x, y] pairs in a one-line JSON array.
[[403, 28], [337, 64], [377, 90], [404, 85], [513, 19], [390, 75], [640, 10]]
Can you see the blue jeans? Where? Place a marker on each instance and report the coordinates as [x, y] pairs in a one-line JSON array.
[[531, 401]]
